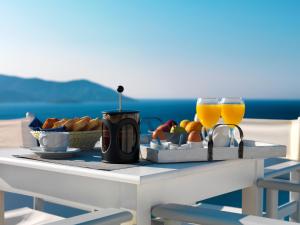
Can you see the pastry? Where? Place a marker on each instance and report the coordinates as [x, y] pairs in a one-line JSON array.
[[76, 124], [49, 123], [81, 124], [85, 118], [59, 123], [93, 124], [68, 124]]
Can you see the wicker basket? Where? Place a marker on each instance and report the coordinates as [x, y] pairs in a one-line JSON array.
[[85, 140]]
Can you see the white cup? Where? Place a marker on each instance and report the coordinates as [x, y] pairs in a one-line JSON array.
[[54, 141]]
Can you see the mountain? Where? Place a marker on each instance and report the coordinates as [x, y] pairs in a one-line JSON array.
[[16, 89]]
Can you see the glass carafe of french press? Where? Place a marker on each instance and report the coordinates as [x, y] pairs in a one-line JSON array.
[[120, 135]]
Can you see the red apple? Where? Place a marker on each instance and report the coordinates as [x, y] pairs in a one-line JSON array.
[[164, 128], [171, 123]]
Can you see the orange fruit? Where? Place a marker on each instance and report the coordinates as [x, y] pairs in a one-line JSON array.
[[194, 136], [183, 123], [193, 126]]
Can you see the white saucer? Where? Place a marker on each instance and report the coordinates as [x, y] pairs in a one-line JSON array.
[[70, 152]]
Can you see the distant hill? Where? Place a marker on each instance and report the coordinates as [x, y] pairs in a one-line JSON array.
[[16, 89]]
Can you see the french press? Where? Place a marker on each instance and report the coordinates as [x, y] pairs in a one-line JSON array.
[[120, 134]]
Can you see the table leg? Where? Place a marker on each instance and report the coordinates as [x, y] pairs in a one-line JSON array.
[[252, 197], [146, 198], [145, 202], [38, 204], [2, 210], [252, 201], [143, 215]]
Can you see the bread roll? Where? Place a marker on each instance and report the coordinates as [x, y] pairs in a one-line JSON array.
[[93, 124], [81, 124], [59, 123], [85, 118], [49, 123], [68, 124]]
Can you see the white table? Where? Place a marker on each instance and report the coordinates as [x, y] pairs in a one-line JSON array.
[[136, 189]]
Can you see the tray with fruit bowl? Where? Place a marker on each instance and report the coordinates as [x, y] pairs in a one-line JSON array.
[[215, 148], [84, 132]]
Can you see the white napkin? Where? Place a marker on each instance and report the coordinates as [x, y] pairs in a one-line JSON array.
[[221, 137]]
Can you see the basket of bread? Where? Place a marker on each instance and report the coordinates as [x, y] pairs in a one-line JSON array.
[[84, 132]]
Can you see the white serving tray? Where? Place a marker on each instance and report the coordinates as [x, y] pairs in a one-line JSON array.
[[252, 150]]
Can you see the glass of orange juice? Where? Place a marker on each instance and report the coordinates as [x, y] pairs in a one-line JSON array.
[[208, 112], [232, 111]]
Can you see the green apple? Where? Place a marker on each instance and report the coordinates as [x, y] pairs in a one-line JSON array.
[[177, 129]]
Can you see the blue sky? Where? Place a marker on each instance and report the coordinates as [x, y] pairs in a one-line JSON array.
[[157, 49]]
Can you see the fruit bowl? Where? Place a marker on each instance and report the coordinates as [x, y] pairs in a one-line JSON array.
[[178, 134], [175, 137]]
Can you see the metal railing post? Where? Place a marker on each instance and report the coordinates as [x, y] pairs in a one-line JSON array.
[[272, 204], [294, 196]]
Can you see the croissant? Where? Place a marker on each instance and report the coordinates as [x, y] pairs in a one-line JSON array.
[[59, 123], [69, 123], [81, 124], [87, 118], [93, 124], [49, 123]]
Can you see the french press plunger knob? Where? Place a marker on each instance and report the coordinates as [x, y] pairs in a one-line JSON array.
[[120, 90]]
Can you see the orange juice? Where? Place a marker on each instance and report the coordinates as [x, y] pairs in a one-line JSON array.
[[233, 113], [208, 114]]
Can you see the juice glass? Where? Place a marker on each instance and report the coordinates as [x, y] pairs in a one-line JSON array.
[[232, 111], [208, 112]]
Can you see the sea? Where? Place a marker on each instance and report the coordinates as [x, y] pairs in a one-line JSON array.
[[165, 109]]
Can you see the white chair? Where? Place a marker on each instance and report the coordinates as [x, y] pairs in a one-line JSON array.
[[27, 216], [11, 133], [285, 132], [176, 214], [16, 133]]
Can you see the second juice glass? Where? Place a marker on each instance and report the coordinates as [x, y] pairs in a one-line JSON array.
[[233, 110]]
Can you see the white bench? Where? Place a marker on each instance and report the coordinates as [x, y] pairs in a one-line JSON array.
[[176, 214], [27, 216]]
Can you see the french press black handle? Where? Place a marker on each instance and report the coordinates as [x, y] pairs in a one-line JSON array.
[[211, 143], [111, 129]]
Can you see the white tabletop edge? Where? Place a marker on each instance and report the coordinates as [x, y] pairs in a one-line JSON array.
[[72, 170], [133, 175]]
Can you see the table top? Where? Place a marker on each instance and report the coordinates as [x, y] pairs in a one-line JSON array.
[[134, 175]]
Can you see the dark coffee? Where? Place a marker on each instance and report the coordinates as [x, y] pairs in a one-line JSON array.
[[120, 136]]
